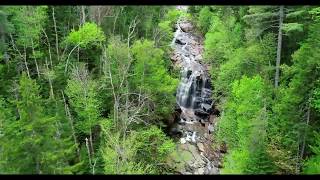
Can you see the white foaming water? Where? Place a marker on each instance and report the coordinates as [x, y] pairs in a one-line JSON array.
[[194, 91]]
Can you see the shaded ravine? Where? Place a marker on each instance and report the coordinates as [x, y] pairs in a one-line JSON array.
[[196, 118]]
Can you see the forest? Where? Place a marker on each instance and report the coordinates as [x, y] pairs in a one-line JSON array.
[[160, 89]]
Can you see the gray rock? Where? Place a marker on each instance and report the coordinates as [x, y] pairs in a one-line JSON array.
[[200, 147], [214, 170], [198, 163], [215, 164], [199, 171], [188, 168], [206, 107], [206, 135], [186, 26], [210, 128], [183, 140], [195, 106], [198, 57]]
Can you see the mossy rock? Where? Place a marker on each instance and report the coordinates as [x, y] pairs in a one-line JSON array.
[[179, 158]]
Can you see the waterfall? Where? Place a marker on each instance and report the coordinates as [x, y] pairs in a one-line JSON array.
[[194, 90], [196, 122]]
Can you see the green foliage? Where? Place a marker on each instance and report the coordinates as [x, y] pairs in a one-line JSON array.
[[222, 38], [89, 34], [166, 27], [312, 166], [82, 92], [216, 42], [119, 60], [6, 117], [288, 112], [129, 79], [27, 145], [250, 60], [245, 116], [315, 12], [173, 15], [241, 41], [289, 27], [40, 135], [141, 152], [316, 99], [28, 23], [261, 20], [118, 156], [235, 162], [5, 28], [153, 146], [115, 70], [204, 19], [152, 76], [146, 17]]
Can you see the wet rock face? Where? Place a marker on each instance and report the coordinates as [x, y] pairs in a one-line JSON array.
[[194, 99], [194, 91], [194, 153]]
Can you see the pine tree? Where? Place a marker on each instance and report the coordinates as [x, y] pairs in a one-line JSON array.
[[34, 143], [244, 128]]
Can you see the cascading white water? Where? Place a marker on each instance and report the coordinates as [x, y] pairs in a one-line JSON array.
[[194, 99], [194, 91]]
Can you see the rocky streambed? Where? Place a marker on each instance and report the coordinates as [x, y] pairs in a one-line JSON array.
[[195, 113]]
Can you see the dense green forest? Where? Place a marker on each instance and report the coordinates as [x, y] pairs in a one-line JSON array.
[[91, 89]]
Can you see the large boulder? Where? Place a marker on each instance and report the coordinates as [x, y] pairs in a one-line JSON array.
[[202, 114], [180, 41], [186, 26]]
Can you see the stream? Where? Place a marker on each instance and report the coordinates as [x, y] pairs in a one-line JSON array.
[[196, 120]]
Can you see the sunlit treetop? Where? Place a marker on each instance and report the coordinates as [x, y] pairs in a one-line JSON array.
[[87, 35]]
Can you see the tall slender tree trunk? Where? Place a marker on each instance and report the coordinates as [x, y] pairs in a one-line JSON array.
[[99, 16], [49, 47], [49, 78], [92, 165], [83, 15], [56, 34], [25, 60], [115, 19], [35, 59], [304, 140], [67, 61], [276, 79]]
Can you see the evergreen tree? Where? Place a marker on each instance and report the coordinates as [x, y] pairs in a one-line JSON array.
[[42, 146]]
